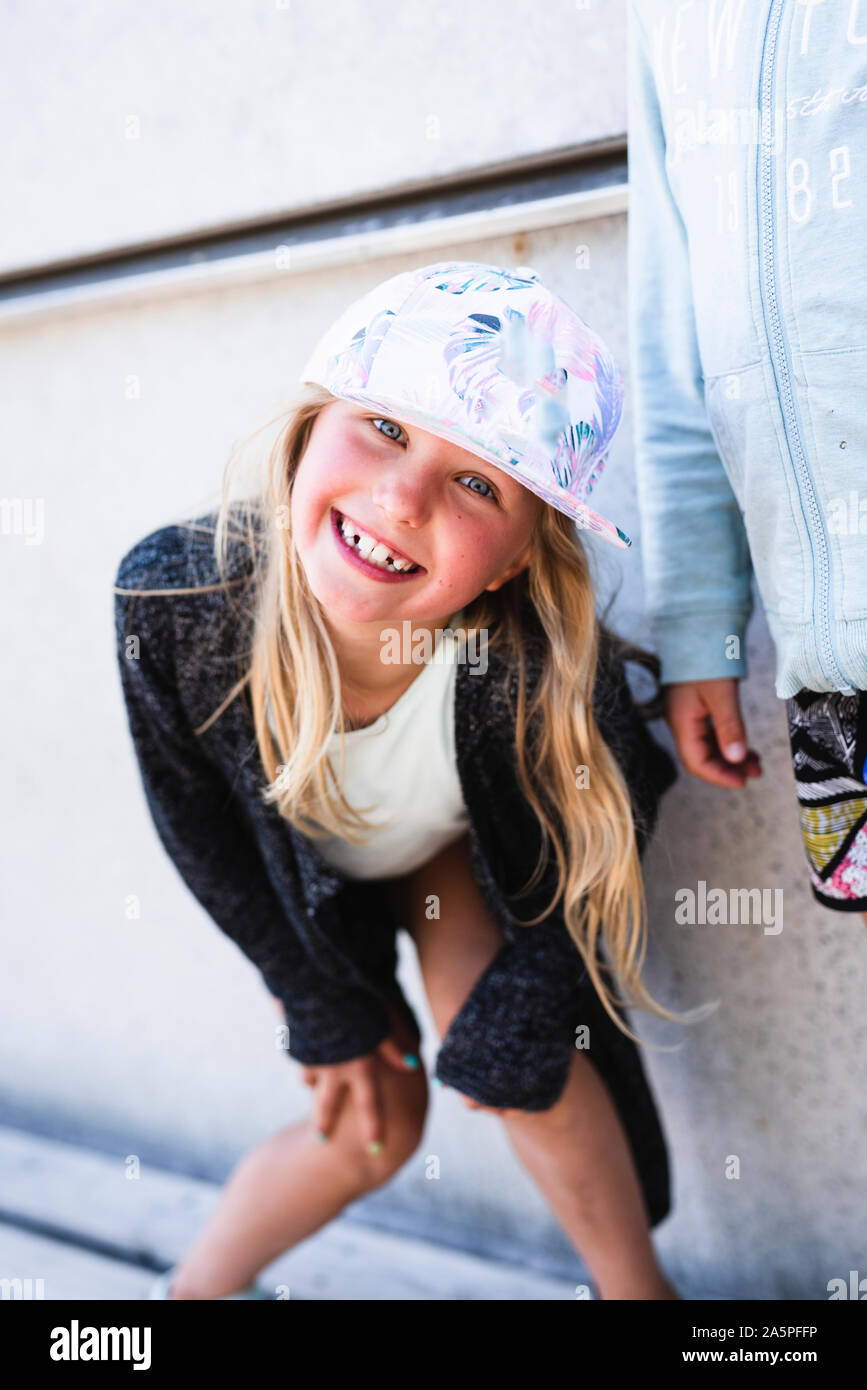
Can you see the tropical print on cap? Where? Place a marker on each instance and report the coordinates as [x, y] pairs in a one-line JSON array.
[[492, 360]]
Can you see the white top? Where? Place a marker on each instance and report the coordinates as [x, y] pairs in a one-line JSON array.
[[401, 773]]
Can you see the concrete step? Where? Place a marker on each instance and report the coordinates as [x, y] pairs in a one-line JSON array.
[[92, 1225], [52, 1269]]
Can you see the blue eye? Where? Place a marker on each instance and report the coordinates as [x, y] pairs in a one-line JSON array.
[[490, 492], [392, 423]]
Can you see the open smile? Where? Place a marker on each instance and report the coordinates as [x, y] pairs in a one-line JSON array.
[[371, 554]]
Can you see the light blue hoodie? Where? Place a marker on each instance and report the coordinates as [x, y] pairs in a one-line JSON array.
[[748, 325]]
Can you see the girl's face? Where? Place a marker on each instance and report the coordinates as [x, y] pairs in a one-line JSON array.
[[464, 523]]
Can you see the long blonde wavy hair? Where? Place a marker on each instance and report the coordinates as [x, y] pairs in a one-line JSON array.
[[294, 687]]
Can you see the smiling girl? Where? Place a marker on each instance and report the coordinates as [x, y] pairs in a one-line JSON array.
[[435, 471]]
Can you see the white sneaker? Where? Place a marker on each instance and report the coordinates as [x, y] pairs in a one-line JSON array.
[[162, 1284]]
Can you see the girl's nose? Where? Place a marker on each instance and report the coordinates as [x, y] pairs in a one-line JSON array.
[[405, 500]]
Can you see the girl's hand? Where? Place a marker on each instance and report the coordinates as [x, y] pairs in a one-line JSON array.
[[705, 719], [361, 1076]]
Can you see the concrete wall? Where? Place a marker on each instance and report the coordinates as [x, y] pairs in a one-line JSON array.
[[155, 1036], [138, 123]]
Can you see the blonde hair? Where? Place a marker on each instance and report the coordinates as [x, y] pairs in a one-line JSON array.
[[293, 674]]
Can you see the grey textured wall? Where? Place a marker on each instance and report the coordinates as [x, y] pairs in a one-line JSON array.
[[142, 122], [155, 1035]]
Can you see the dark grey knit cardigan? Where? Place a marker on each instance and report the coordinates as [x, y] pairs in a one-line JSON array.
[[324, 944]]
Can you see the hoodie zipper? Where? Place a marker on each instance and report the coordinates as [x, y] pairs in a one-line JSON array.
[[779, 349]]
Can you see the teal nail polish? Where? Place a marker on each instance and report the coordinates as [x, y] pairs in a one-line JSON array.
[[320, 1137], [410, 1059], [437, 1081]]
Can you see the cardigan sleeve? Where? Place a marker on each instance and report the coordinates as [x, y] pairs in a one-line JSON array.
[[199, 821], [511, 1044]]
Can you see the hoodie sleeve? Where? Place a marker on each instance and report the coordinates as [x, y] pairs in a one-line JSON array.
[[201, 826], [696, 558]]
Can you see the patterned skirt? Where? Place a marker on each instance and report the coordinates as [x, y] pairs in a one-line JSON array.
[[828, 734]]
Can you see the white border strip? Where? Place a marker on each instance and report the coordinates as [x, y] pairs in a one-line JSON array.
[[322, 254]]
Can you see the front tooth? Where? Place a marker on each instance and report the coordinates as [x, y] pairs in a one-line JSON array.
[[365, 545], [380, 554]]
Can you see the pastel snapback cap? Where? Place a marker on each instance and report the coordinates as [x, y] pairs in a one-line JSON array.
[[491, 360]]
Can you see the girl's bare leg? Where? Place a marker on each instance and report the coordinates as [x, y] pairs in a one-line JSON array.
[[577, 1152], [579, 1157], [290, 1185]]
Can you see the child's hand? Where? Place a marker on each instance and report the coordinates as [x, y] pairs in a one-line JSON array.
[[705, 719], [361, 1076]]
